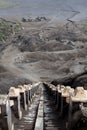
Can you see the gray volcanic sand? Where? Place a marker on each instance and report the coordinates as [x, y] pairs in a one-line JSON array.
[[56, 9], [41, 54], [49, 50]]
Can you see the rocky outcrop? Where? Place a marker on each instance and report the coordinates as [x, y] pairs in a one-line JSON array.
[[37, 19], [74, 80], [81, 81]]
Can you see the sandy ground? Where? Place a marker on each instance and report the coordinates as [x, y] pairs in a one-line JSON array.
[[37, 56]]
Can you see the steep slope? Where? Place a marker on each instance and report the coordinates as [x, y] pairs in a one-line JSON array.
[[39, 53]]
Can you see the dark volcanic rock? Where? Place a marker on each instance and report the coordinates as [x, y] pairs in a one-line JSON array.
[[74, 81], [81, 81]]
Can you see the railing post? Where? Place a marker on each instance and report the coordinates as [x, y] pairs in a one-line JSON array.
[[23, 100], [57, 105], [70, 113], [17, 107], [30, 95], [61, 111], [23, 97], [14, 95], [7, 122], [56, 96], [27, 97]]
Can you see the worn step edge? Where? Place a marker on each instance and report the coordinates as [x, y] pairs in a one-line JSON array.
[[39, 120]]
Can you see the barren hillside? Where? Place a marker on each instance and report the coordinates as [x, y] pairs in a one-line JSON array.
[[40, 51]]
